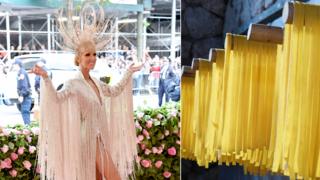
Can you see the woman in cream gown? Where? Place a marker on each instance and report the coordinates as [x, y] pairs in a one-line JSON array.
[[87, 129]]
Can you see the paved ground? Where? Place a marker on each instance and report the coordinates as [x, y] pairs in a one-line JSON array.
[[10, 115]]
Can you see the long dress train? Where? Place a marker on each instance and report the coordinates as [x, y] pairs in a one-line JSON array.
[[73, 119]]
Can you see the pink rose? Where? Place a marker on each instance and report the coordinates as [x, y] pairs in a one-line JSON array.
[[26, 132], [21, 150], [14, 156], [173, 113], [5, 148], [32, 149], [158, 164], [35, 130], [140, 138], [6, 164], [160, 149], [146, 163], [146, 133], [6, 132], [154, 150], [178, 142], [159, 116], [29, 139], [138, 159], [13, 173], [149, 124], [3, 164], [27, 164], [140, 115], [8, 161], [142, 146], [166, 133], [147, 151], [137, 124], [172, 151], [17, 132], [166, 174]]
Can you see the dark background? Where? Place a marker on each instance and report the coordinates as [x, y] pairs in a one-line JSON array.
[[204, 24]]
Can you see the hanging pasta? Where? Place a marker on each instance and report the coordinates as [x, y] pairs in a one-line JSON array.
[[258, 104], [301, 139], [248, 91], [277, 138], [202, 96], [212, 138], [187, 103]]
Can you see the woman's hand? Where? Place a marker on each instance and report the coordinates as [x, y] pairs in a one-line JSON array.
[[38, 70], [134, 67]]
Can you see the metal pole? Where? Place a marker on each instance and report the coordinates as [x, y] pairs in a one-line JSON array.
[[116, 43], [52, 34], [8, 36], [159, 29], [49, 32], [140, 34], [173, 31], [32, 38], [144, 48], [19, 29]]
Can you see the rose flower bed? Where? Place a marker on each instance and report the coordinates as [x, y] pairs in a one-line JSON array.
[[158, 142]]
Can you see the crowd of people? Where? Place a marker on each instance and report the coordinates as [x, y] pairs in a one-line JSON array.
[[159, 76], [18, 50]]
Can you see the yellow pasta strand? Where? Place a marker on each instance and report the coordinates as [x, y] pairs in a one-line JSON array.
[[187, 103], [213, 137], [203, 95], [249, 98], [301, 138]]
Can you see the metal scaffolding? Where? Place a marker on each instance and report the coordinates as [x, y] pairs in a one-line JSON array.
[[38, 29]]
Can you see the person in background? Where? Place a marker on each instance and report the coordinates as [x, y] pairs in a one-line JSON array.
[[13, 51], [33, 48], [166, 75], [125, 51], [19, 48], [173, 89], [24, 91], [26, 49]]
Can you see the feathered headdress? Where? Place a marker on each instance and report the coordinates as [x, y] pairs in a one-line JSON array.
[[88, 23]]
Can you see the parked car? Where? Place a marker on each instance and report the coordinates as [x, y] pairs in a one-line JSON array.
[[60, 65], [9, 90]]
